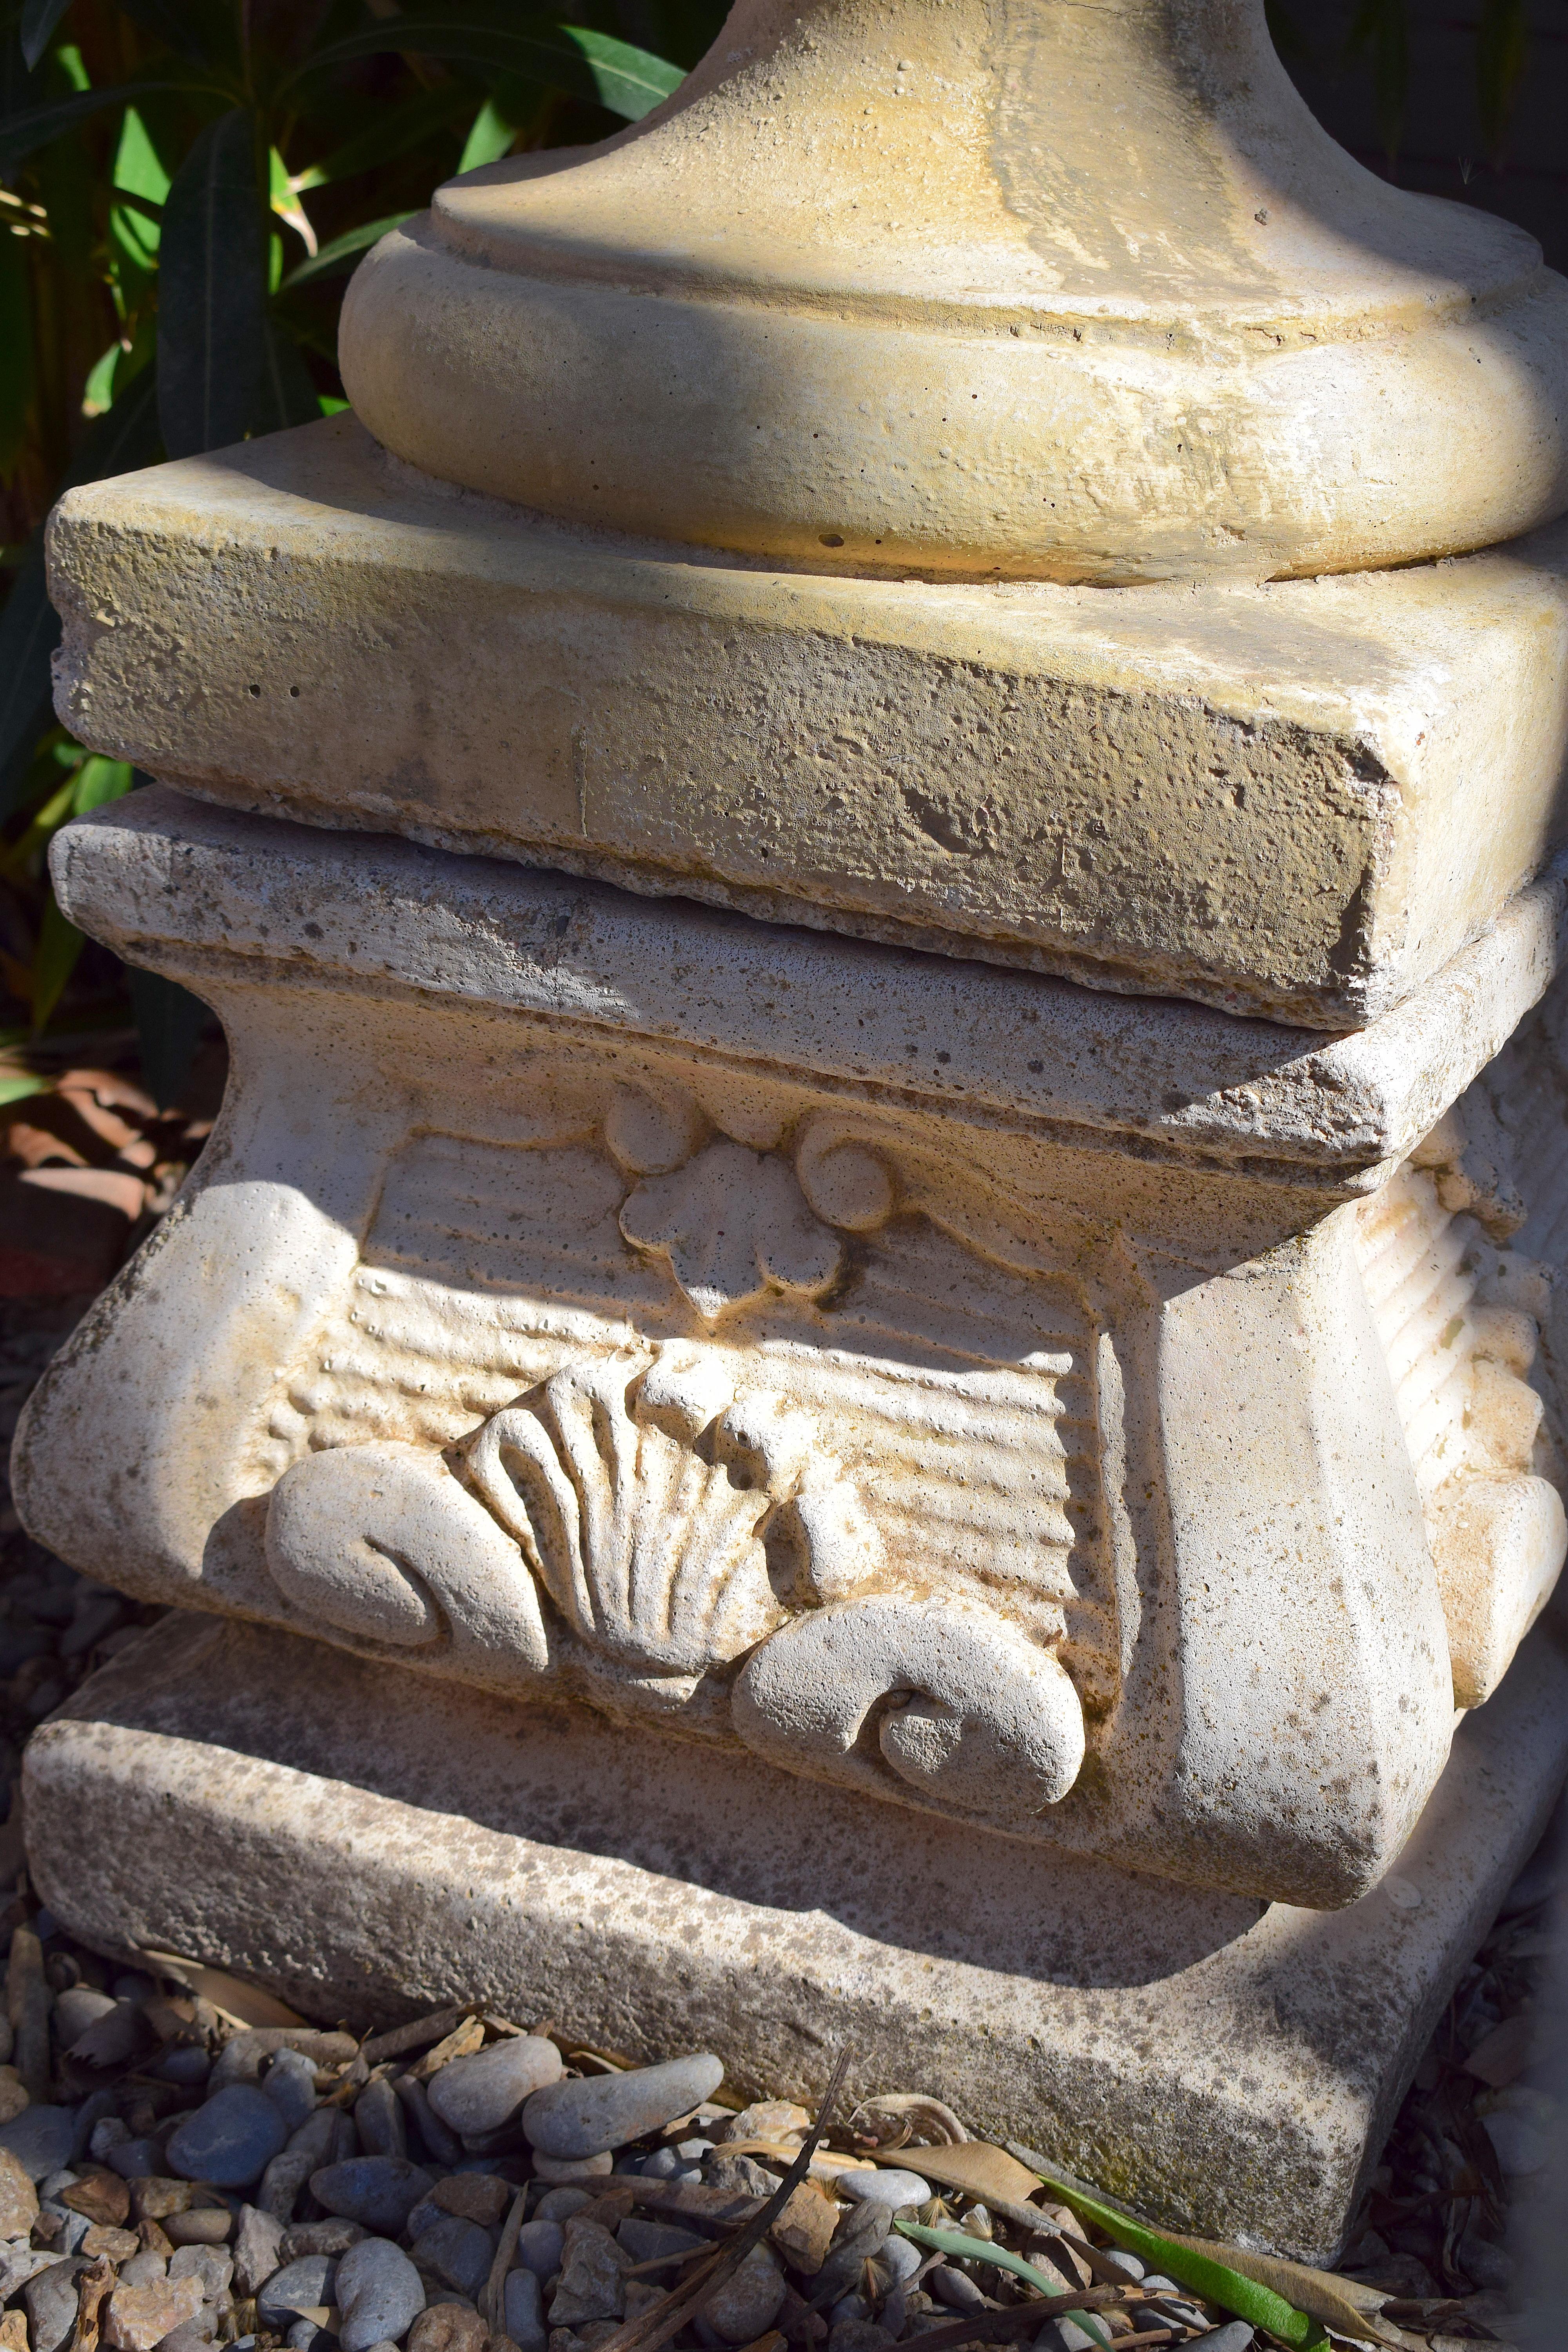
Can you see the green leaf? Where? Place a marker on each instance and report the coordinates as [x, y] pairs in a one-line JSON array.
[[489, 139], [342, 252], [98, 781], [1183, 2261], [212, 291], [40, 19], [170, 1022], [29, 626], [16, 1085], [1381, 30], [571, 58], [53, 961], [286, 395], [394, 130], [23, 134]]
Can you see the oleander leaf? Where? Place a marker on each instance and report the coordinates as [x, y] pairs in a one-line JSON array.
[[40, 19], [571, 58], [212, 291]]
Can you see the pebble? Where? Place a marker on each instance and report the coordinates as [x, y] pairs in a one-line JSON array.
[[578, 2168], [136, 2159], [290, 2083], [378, 2119], [138, 2317], [606, 2111], [480, 2196], [1235, 2336], [230, 2139], [859, 2335], [77, 2009], [186, 2064], [443, 2145], [379, 2292], [40, 2139], [73, 2227], [299, 2286], [214, 2267], [590, 2285], [1067, 2335], [50, 2297], [457, 2251], [646, 2241], [749, 2302], [898, 2190], [192, 2335], [283, 2179], [524, 2313], [954, 2288], [447, 2327], [19, 2198], [103, 2242], [539, 2246], [203, 2225], [740, 2175], [257, 2244], [899, 2257], [379, 2190], [143, 2268], [862, 2232], [332, 2236], [1125, 2261], [486, 2091], [560, 2204]]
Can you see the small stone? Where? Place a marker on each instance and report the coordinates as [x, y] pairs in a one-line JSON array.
[[378, 2119], [487, 2090], [899, 2190], [424, 2216], [899, 2258], [186, 2063], [457, 2251], [101, 2196], [861, 2233], [50, 2296], [524, 2311], [154, 2199], [1122, 2260], [779, 2120], [481, 2197], [859, 2335], [13, 2331], [13, 2095], [1235, 2336], [539, 2246], [379, 2190], [739, 2174], [804, 2231], [19, 2198], [747, 2303], [290, 2083], [40, 2139], [380, 2295], [560, 2204], [211, 2265], [231, 2139], [332, 2236], [136, 2159], [138, 2317], [1066, 2336], [202, 2225], [192, 2334], [447, 2327], [569, 2169], [257, 2249], [103, 2243], [651, 2242], [304, 2286], [591, 2269], [604, 2111], [78, 2009], [282, 2181], [143, 2268]]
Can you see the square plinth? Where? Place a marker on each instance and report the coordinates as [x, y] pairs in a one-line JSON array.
[[1298, 799], [368, 1844]]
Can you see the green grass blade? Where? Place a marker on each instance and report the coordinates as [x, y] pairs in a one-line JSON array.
[[1214, 2280], [963, 2248], [342, 252]]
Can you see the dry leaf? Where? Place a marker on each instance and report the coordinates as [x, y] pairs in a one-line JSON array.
[[246, 2004], [1344, 2304], [461, 2042], [976, 2167]]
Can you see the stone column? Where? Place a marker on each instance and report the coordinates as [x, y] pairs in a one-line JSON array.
[[869, 1349]]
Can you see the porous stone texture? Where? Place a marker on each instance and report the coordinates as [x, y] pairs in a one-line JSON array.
[[821, 1351], [1074, 293], [1298, 799], [1221, 2064]]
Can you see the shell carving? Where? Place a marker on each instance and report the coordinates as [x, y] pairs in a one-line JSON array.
[[649, 1539]]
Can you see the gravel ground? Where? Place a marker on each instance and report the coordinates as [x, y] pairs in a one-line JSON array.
[[182, 2161]]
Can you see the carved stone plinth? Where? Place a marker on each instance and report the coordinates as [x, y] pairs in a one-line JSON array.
[[1059, 1380]]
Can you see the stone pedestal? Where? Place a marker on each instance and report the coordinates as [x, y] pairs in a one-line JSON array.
[[1016, 1347]]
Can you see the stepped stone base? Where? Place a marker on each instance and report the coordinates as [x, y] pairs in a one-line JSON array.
[[368, 1842]]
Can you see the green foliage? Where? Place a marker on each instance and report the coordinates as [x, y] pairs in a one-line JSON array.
[[184, 186]]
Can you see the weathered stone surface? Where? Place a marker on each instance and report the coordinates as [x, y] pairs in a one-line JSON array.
[[596, 2114], [1246, 795], [485, 2091], [19, 2198], [224, 1742], [381, 2191], [379, 2293], [138, 2317]]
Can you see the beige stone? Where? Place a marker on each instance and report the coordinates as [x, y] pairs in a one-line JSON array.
[[1299, 800], [581, 1297], [1063, 292], [19, 2198], [1227, 2067], [138, 2317]]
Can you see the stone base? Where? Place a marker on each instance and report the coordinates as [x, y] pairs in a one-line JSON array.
[[369, 1841]]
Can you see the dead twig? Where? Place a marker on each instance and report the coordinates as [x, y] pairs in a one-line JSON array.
[[1021, 2318]]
